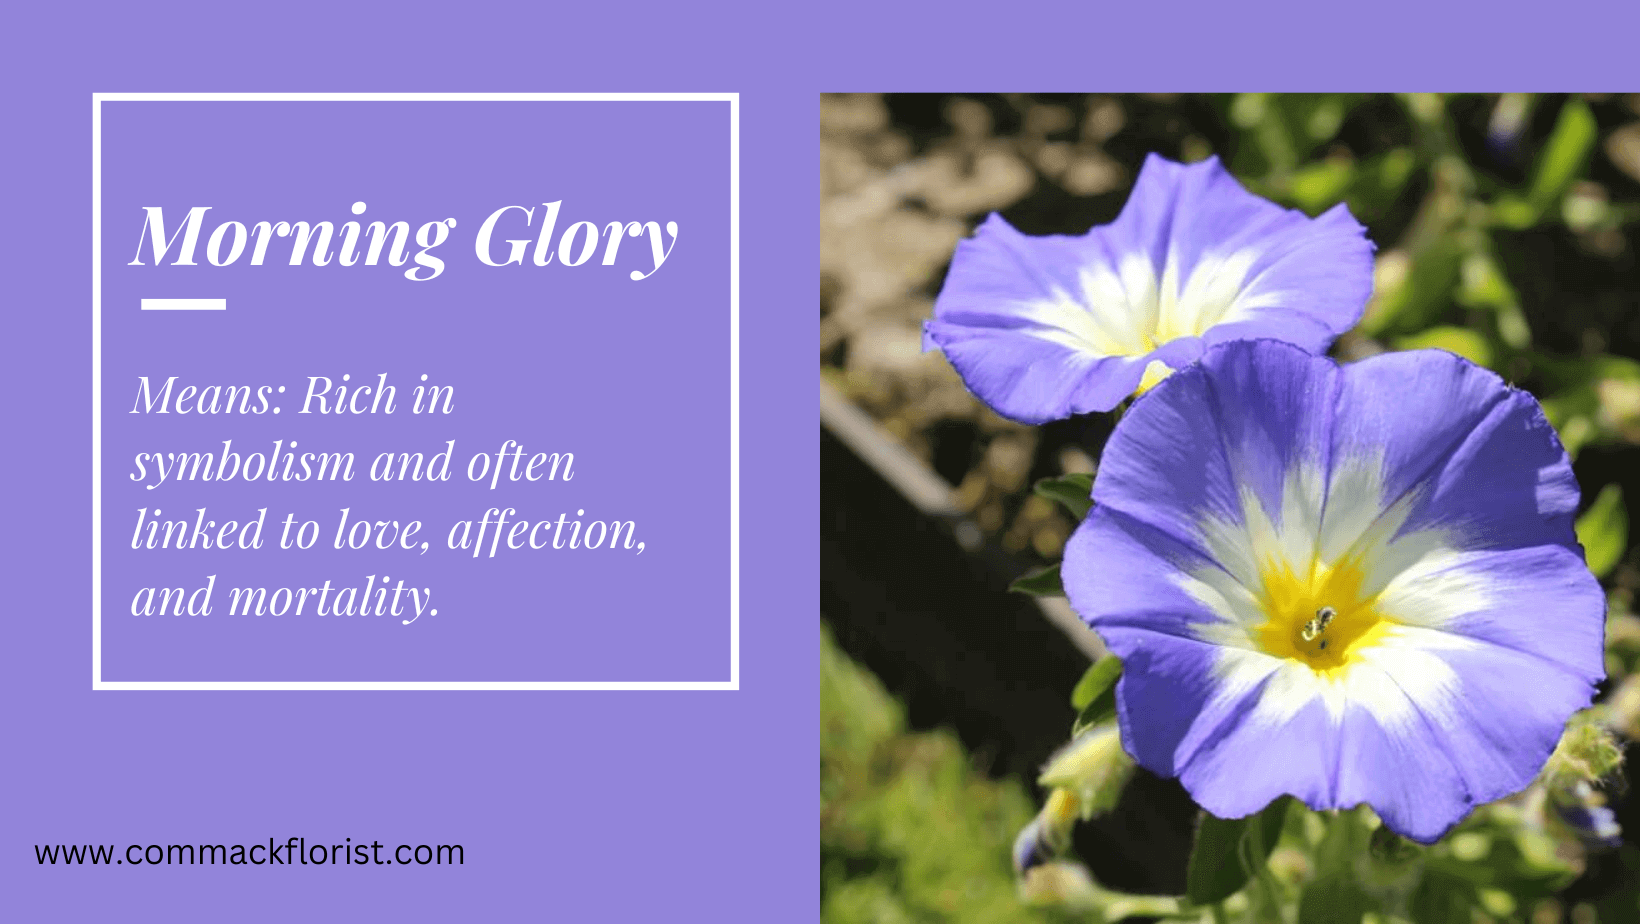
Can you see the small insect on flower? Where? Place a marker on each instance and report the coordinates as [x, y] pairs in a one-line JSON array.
[[1041, 328], [1353, 584], [1318, 625]]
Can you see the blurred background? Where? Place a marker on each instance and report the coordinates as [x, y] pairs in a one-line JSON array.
[[1506, 228]]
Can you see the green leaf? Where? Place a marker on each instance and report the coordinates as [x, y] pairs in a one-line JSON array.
[[1095, 695], [1484, 284], [1044, 582], [1279, 131], [1567, 372], [1219, 863], [1604, 531], [1102, 709], [1073, 491], [1565, 154], [1513, 212], [1423, 295], [1318, 186], [1392, 169], [1390, 848], [1460, 340], [1267, 145], [1333, 900], [1100, 676], [1321, 115]]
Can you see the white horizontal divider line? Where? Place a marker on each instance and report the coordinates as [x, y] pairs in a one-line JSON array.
[[184, 304]]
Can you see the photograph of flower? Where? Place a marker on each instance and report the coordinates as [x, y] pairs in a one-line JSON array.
[[1224, 507]]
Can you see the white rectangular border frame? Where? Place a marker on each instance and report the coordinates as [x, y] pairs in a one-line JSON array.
[[97, 683]]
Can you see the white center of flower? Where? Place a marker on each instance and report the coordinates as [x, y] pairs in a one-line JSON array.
[[1128, 311]]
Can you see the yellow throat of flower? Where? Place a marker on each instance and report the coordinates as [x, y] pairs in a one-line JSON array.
[[1154, 373], [1321, 618]]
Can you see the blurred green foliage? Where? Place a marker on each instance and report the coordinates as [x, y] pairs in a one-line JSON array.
[[909, 831], [1604, 531], [1451, 212], [1230, 851]]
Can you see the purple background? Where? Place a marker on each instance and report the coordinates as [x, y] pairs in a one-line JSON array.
[[631, 376], [685, 807]]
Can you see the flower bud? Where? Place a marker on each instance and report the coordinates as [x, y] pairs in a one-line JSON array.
[[1092, 767], [1048, 833], [1029, 850], [1584, 811], [1061, 883], [1587, 753]]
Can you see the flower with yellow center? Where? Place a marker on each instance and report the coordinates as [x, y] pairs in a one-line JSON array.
[[1351, 584]]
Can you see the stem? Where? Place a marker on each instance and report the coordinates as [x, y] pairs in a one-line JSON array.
[[1265, 896]]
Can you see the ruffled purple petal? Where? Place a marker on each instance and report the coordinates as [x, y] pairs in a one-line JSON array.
[[1193, 217], [1497, 711], [1257, 754], [1226, 424], [1123, 573], [1403, 769], [1540, 601], [1031, 380], [1481, 455]]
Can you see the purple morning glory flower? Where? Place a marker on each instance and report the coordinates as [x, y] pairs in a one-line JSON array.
[[1352, 584], [1041, 328]]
